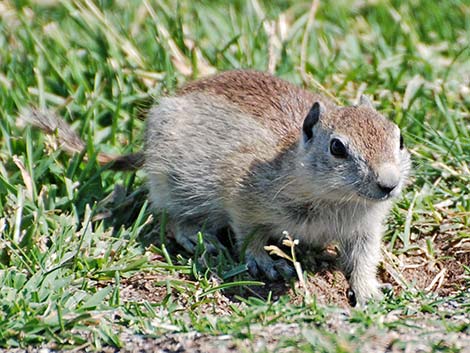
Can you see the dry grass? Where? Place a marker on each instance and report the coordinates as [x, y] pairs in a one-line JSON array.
[[84, 265]]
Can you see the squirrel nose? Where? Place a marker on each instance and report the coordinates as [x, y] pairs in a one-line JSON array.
[[387, 189], [388, 177]]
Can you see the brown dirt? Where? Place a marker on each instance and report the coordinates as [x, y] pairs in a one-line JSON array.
[[142, 287], [329, 287], [441, 272]]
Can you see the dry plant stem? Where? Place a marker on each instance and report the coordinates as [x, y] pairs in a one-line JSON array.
[[439, 279], [305, 38], [306, 77], [291, 243], [271, 32], [393, 270], [26, 177], [298, 268]]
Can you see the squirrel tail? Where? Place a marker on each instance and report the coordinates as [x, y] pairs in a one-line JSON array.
[[71, 143]]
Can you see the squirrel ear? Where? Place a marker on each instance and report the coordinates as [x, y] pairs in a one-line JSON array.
[[311, 119], [365, 101]]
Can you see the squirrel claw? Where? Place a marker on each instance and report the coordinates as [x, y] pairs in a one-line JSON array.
[[386, 288], [286, 270], [267, 267], [190, 242], [351, 297], [262, 267]]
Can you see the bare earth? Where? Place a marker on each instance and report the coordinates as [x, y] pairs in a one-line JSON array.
[[329, 287]]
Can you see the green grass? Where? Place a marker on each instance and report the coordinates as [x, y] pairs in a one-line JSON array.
[[71, 242]]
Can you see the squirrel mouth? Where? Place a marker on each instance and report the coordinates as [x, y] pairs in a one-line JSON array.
[[379, 194], [377, 197]]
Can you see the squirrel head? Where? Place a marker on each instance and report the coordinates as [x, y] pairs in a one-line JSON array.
[[353, 153]]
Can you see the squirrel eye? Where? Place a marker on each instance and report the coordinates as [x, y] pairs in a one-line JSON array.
[[338, 149], [401, 142]]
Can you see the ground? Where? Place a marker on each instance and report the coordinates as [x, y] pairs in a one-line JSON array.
[[85, 265]]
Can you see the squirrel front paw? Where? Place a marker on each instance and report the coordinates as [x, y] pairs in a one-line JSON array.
[[261, 264], [360, 292]]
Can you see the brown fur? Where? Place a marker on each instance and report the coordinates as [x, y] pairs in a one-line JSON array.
[[271, 99], [369, 131], [268, 98]]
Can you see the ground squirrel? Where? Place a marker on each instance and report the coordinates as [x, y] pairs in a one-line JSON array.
[[253, 152]]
